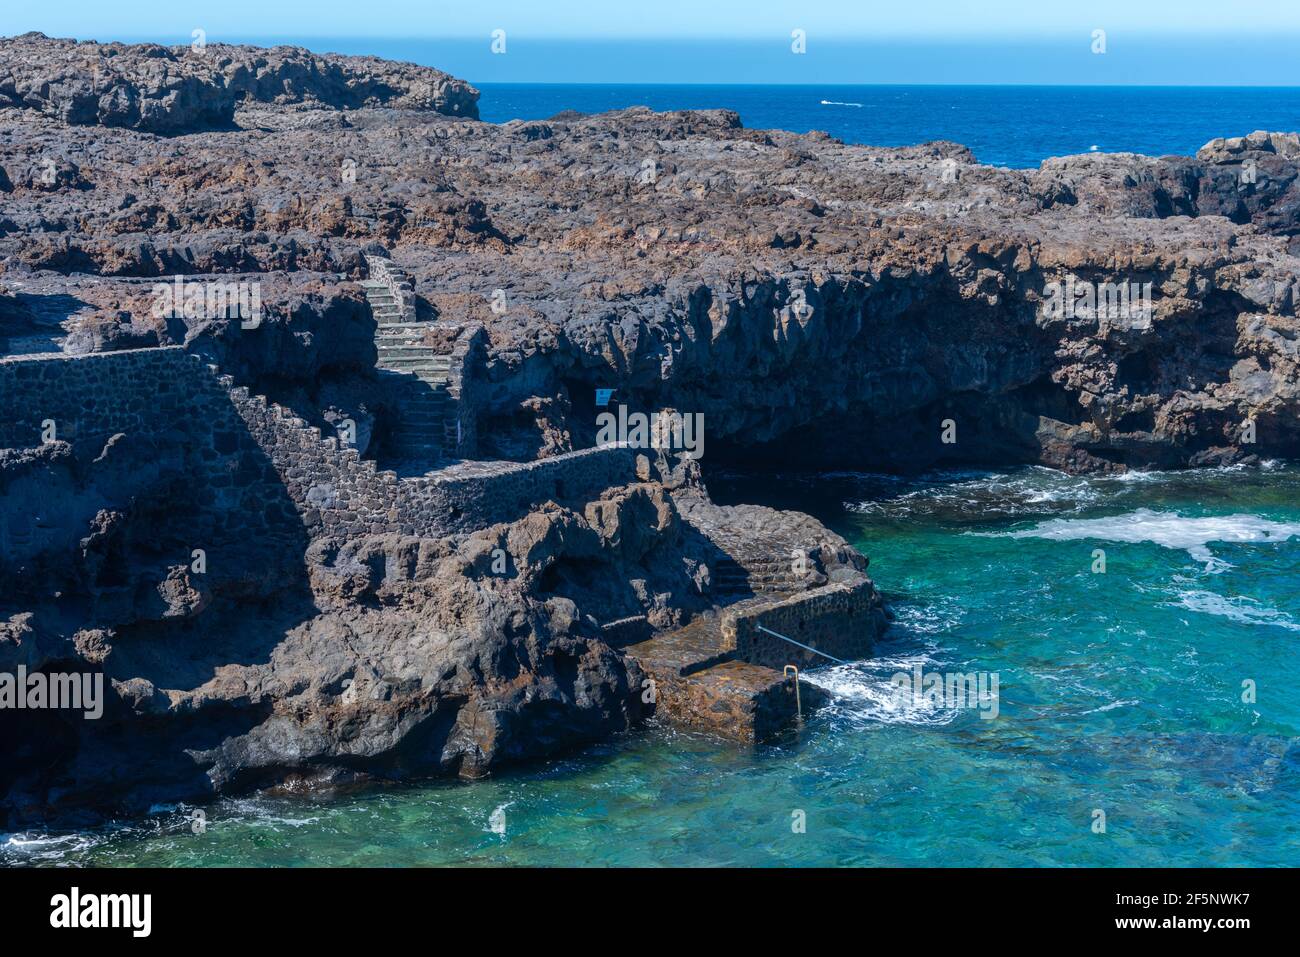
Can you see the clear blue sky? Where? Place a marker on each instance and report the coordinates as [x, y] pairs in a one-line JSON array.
[[1036, 41]]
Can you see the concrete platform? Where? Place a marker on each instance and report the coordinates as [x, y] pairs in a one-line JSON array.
[[723, 673], [701, 685]]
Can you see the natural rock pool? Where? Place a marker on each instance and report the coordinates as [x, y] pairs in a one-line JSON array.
[[1119, 691]]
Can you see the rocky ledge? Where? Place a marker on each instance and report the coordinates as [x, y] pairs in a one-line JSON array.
[[184, 89], [415, 557]]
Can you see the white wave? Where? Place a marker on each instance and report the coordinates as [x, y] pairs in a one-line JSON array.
[[289, 821], [1035, 490], [42, 848], [26, 841], [838, 103], [256, 811], [924, 620], [862, 692], [1139, 475], [1246, 611], [1167, 529]]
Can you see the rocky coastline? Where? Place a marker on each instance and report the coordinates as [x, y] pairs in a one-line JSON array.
[[364, 531]]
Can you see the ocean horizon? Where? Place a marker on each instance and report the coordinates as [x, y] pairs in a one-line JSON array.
[[1009, 125], [1132, 100]]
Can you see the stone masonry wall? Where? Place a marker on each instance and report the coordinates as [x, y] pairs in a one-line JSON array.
[[250, 452], [161, 396], [468, 355], [476, 494], [96, 395], [842, 619]]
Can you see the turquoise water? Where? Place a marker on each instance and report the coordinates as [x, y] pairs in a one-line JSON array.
[[1118, 691]]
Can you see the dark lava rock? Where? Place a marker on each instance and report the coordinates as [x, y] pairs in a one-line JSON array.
[[183, 89]]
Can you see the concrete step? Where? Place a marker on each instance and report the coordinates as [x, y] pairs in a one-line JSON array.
[[418, 367], [737, 700], [396, 361], [729, 578], [432, 381], [699, 685], [411, 388], [435, 400], [400, 328], [423, 398], [424, 412], [433, 424], [391, 349], [694, 647], [426, 357]]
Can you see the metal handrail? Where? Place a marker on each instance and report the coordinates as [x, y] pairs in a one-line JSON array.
[[798, 703], [838, 661]]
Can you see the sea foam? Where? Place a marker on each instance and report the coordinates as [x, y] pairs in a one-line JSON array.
[[1246, 611], [1167, 529], [862, 692]]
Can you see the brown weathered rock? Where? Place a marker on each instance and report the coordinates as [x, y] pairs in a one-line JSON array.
[[183, 89]]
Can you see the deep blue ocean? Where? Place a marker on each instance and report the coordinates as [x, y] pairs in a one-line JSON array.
[[906, 93], [1016, 126]]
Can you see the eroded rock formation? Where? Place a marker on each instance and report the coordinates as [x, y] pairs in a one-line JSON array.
[[689, 262], [819, 303], [184, 89]]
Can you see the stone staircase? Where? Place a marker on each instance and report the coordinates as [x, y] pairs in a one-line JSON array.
[[427, 428], [758, 575], [702, 683]]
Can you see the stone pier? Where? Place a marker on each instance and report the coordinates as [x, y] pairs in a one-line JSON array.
[[724, 673]]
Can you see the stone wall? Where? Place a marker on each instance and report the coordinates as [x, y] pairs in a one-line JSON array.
[[97, 395], [842, 619], [476, 494], [247, 453], [163, 398], [468, 356]]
